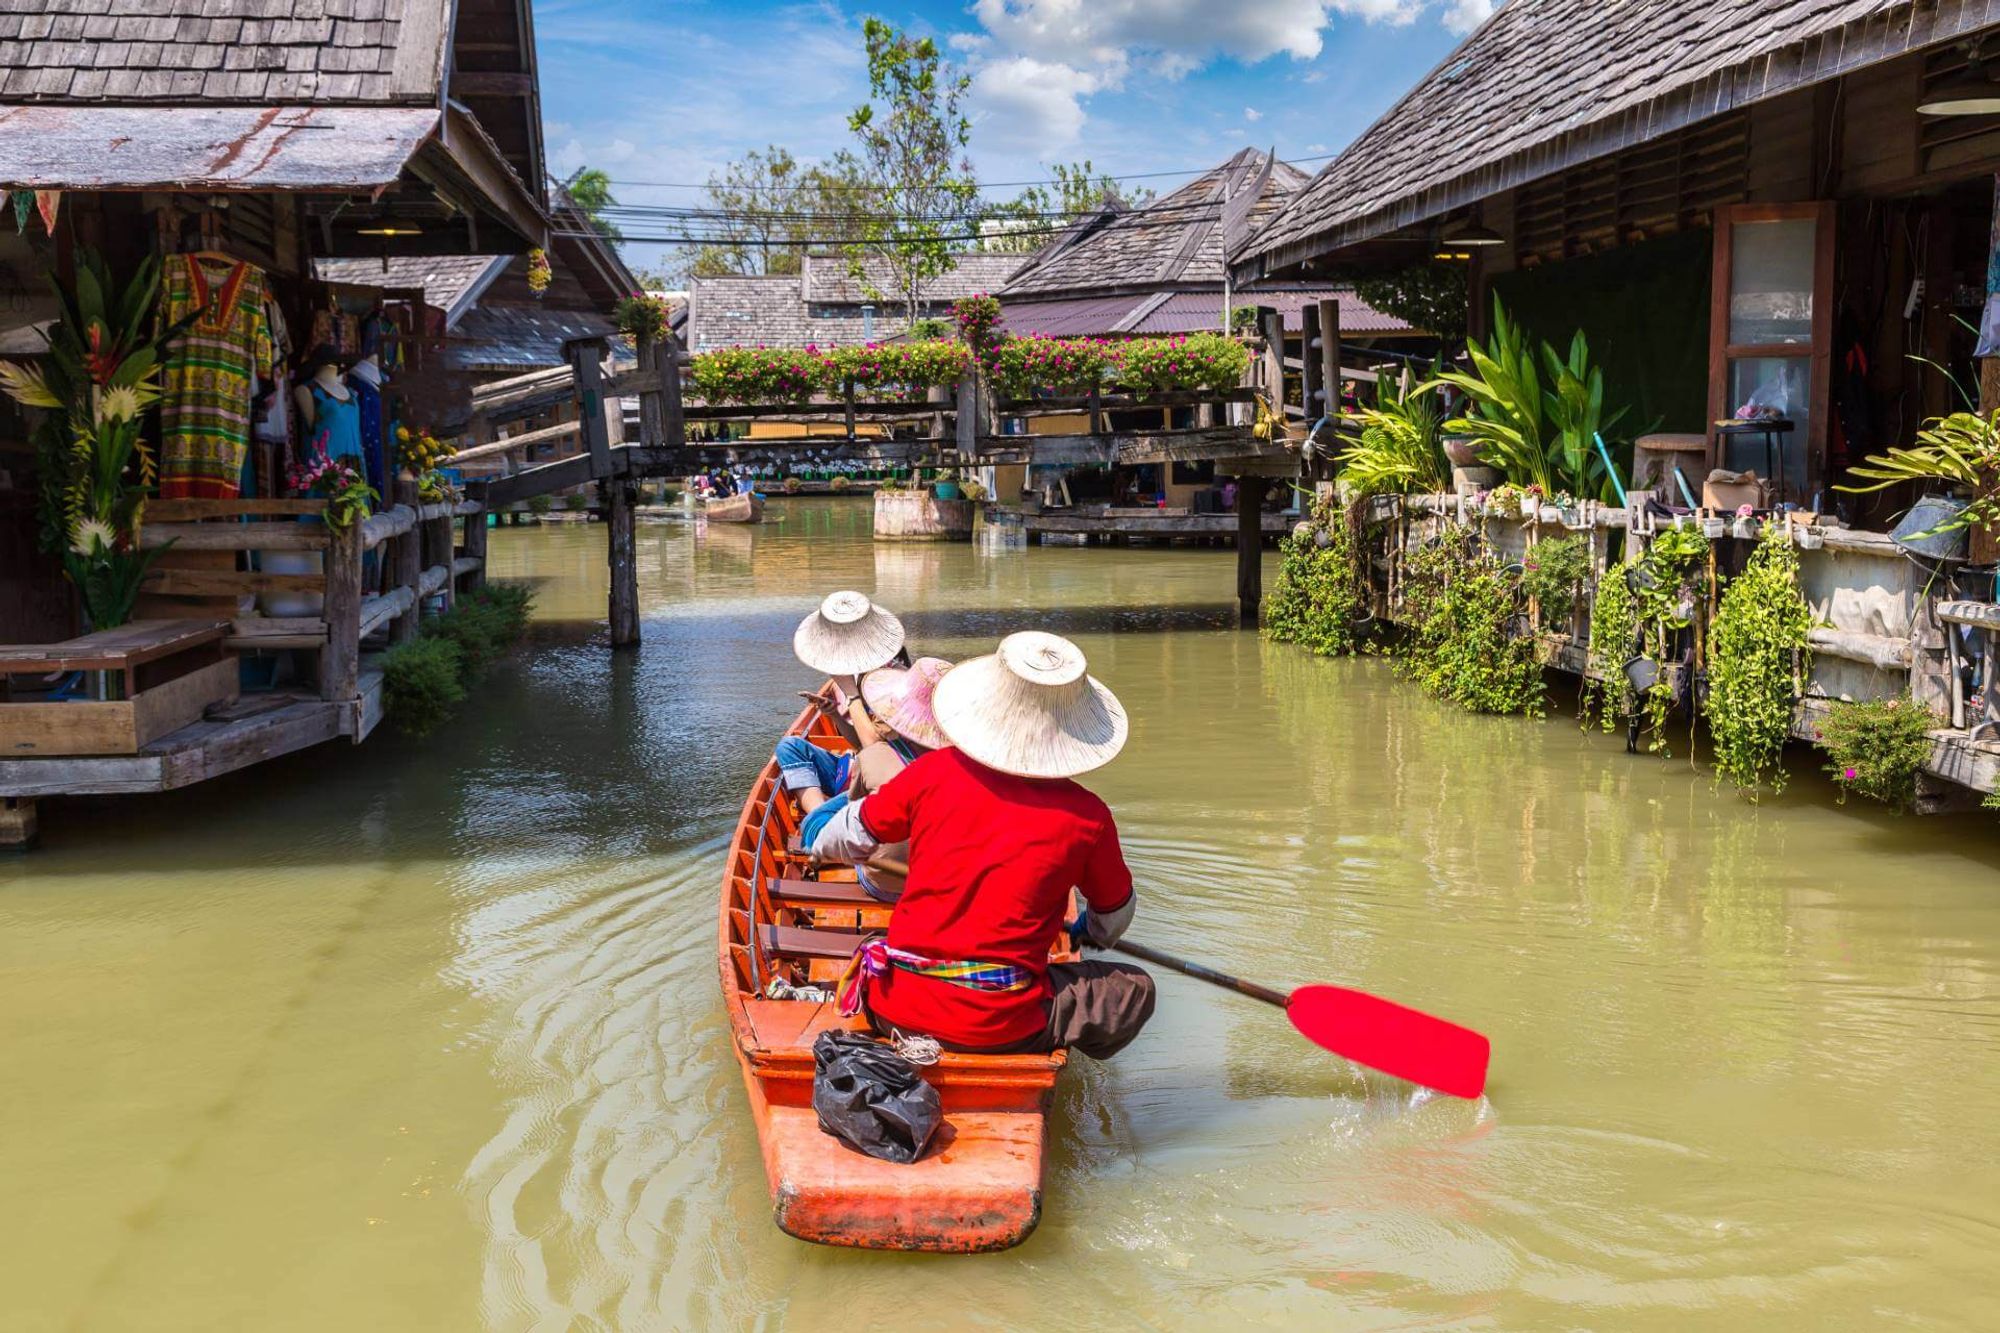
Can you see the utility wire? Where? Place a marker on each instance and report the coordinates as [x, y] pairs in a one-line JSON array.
[[984, 185]]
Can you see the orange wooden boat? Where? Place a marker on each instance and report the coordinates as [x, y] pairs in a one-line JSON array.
[[979, 1187]]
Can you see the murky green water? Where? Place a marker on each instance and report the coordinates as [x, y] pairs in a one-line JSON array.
[[429, 1037]]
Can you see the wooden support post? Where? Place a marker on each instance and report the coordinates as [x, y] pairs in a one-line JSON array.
[[438, 550], [1329, 355], [340, 659], [624, 613], [673, 413], [847, 398], [968, 417], [586, 358], [1096, 410], [1272, 325], [20, 828], [659, 359], [407, 553], [1985, 542], [1311, 369], [1250, 548], [475, 540]]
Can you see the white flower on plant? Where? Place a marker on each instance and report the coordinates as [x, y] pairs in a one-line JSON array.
[[92, 536], [117, 405]]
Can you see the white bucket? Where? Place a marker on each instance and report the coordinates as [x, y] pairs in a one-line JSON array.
[[278, 604]]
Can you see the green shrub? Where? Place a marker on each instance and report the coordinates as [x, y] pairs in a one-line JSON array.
[[1195, 361], [1401, 448], [1460, 603], [1553, 573], [1757, 655], [759, 374], [1322, 589], [538, 505], [1878, 748], [1019, 367], [893, 370], [576, 502], [482, 626], [422, 683]]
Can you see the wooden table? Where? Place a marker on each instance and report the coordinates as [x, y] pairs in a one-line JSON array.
[[172, 672]]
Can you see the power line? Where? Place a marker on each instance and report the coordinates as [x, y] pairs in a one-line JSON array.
[[984, 185]]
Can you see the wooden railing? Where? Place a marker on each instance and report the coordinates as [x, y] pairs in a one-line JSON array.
[[358, 597]]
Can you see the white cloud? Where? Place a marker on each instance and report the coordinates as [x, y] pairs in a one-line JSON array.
[[1027, 105], [1317, 148], [1465, 15], [1036, 61], [1252, 114]]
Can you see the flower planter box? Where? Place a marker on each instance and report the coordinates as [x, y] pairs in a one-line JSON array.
[[170, 672], [921, 516]]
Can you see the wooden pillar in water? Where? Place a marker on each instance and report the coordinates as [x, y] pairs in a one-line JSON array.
[[619, 501], [407, 551], [1311, 368], [1329, 354], [340, 658], [19, 827], [1250, 547]]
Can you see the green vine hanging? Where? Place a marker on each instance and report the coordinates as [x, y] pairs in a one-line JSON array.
[[1322, 590], [1614, 628], [1757, 657], [1461, 603]]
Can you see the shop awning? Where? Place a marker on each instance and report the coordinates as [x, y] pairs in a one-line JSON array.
[[209, 148]]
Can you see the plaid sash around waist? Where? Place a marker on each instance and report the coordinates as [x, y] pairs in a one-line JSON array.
[[875, 958]]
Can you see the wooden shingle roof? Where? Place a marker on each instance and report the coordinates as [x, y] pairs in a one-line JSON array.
[[1544, 85], [1174, 242], [830, 279], [223, 51]]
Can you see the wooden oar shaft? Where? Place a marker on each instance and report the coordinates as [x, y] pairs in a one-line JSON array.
[[1208, 974]]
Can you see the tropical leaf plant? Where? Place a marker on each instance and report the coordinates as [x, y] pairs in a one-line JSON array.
[[1961, 449], [1400, 448], [1536, 413]]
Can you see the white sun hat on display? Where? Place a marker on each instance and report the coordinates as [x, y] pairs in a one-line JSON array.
[[1031, 709], [848, 635]]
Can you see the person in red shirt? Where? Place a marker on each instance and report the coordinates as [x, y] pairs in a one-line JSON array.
[[999, 834]]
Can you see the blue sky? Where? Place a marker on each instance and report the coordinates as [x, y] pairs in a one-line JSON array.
[[670, 90]]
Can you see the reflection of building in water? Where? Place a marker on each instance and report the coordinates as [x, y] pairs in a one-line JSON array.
[[906, 571]]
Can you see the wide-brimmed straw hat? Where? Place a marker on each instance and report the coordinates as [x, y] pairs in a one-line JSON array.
[[847, 635], [1031, 710], [902, 698]]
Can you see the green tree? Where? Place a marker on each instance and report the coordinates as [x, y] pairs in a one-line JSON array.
[[912, 135], [1030, 219], [767, 208], [590, 190]]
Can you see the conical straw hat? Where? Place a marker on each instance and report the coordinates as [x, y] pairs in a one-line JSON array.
[[1030, 710], [903, 699], [847, 635]]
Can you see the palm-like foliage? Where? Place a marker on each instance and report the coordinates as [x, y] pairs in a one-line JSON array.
[[92, 465], [1400, 450], [1962, 449], [1535, 413]]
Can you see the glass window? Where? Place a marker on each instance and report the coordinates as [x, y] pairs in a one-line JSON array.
[[1784, 383], [1771, 282]]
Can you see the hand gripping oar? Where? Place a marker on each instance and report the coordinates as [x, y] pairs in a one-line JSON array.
[[1364, 1028]]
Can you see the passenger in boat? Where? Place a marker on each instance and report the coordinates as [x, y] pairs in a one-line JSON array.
[[847, 637], [999, 834], [896, 726]]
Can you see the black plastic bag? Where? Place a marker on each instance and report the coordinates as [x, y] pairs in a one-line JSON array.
[[872, 1099]]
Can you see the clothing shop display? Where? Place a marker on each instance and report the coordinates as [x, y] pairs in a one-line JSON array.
[[208, 372], [336, 425], [365, 383]]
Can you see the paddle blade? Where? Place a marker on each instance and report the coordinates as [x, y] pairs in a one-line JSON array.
[[1403, 1042]]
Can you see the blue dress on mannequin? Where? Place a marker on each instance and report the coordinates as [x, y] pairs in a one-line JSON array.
[[368, 398], [336, 429]]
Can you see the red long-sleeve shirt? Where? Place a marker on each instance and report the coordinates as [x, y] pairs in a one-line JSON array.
[[992, 860]]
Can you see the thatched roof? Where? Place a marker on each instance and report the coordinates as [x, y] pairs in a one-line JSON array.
[[1545, 85], [1175, 242], [280, 51]]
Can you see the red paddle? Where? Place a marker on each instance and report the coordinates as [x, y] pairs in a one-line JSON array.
[[1366, 1029]]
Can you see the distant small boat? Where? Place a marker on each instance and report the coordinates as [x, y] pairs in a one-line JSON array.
[[745, 508], [980, 1185]]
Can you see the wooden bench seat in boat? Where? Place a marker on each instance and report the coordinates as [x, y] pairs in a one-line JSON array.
[[801, 942], [821, 893]]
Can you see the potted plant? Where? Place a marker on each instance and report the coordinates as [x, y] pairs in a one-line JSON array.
[[1962, 451]]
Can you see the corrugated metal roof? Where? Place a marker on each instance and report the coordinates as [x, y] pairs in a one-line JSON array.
[[214, 148], [1083, 317], [1546, 84]]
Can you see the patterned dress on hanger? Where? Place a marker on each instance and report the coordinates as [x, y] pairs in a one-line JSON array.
[[207, 374]]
